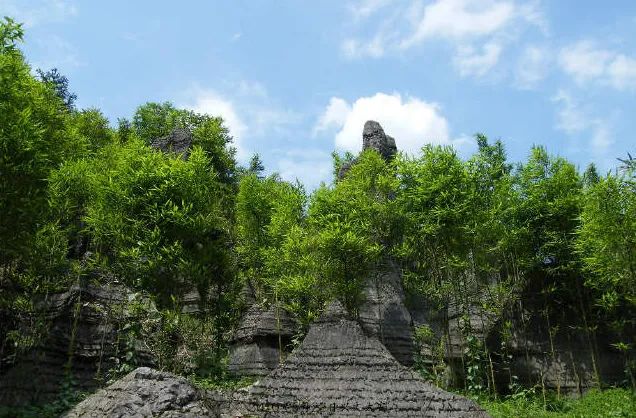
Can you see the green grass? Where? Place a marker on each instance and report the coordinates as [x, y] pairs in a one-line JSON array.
[[605, 404], [221, 383]]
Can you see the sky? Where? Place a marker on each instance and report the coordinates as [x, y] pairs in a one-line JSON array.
[[296, 80]]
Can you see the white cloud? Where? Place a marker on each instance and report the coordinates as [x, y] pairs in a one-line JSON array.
[[38, 12], [461, 19], [336, 114], [411, 121], [247, 110], [575, 119], [601, 138], [310, 166], [586, 61], [353, 48], [364, 8], [477, 30], [212, 103], [622, 72], [532, 66], [57, 53], [471, 62], [570, 117]]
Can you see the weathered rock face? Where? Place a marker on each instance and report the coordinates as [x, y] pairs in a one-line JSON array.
[[551, 348], [340, 371], [384, 315], [83, 340], [373, 137], [256, 345], [452, 322], [144, 393], [534, 342], [179, 141]]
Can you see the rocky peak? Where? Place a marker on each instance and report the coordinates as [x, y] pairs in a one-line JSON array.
[[179, 141], [373, 137]]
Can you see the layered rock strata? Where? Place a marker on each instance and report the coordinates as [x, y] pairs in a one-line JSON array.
[[260, 341], [145, 393], [339, 371], [83, 341], [179, 141], [384, 314]]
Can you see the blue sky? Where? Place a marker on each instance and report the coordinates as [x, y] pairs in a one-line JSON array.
[[296, 79]]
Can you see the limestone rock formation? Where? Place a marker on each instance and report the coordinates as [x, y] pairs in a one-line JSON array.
[[373, 137], [339, 371], [450, 325], [384, 314], [144, 392], [179, 141], [553, 351], [83, 325], [255, 348]]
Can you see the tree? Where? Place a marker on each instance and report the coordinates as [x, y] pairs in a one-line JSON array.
[[550, 190], [156, 220], [92, 127], [266, 210], [433, 201], [34, 139], [606, 240], [352, 226], [154, 120], [590, 176], [256, 165], [59, 83]]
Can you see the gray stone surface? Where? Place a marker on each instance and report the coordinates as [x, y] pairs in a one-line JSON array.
[[255, 349], [83, 338], [562, 359], [339, 371], [384, 314], [179, 141], [529, 356], [373, 137], [344, 169], [454, 320], [144, 392]]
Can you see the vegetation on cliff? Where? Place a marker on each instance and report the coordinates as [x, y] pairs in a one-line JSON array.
[[78, 195]]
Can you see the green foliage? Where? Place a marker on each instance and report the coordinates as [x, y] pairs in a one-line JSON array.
[[351, 226], [59, 83], [92, 127], [256, 165], [607, 240], [79, 196], [154, 120], [432, 201], [10, 34], [340, 161], [266, 210], [550, 190], [156, 219], [225, 382], [34, 139], [603, 404], [305, 260]]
